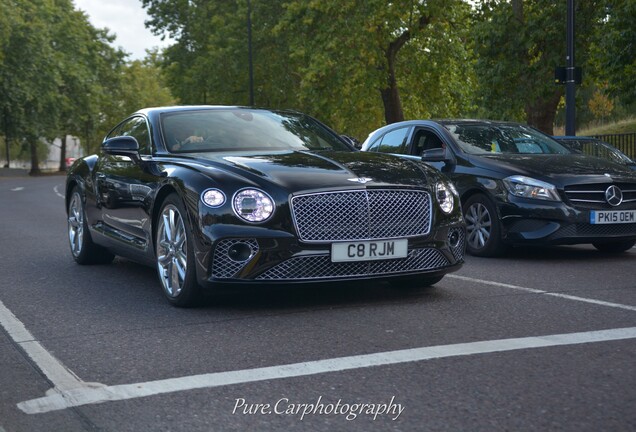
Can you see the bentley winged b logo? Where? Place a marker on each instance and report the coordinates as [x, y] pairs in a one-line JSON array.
[[361, 180]]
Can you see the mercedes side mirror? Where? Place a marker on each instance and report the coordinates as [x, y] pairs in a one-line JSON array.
[[434, 155]]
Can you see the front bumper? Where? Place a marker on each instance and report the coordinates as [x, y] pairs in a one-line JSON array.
[[556, 223], [278, 257]]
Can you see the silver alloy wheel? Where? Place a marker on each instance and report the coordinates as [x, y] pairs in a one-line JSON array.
[[172, 251], [76, 224], [478, 225]]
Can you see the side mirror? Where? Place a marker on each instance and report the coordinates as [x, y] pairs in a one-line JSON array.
[[122, 146], [434, 155], [352, 141]]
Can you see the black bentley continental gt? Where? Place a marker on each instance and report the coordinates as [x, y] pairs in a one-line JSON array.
[[213, 195], [519, 186]]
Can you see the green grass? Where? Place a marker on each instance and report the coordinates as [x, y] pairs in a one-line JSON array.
[[620, 127]]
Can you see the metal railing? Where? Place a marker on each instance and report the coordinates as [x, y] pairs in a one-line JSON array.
[[625, 142]]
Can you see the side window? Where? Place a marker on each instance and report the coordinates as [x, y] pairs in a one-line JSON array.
[[394, 141], [115, 132], [425, 140], [139, 131], [135, 127]]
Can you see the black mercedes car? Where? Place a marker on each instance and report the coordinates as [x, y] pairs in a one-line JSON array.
[[519, 186], [212, 196]]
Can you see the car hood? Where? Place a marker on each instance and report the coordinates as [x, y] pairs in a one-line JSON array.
[[560, 170], [301, 170]]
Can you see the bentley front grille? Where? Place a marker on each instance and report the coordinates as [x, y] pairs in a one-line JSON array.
[[321, 267], [361, 215]]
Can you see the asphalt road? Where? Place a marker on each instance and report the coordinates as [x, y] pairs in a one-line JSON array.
[[541, 340]]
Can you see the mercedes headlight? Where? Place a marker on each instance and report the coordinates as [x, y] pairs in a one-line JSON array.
[[253, 205], [445, 194], [527, 187]]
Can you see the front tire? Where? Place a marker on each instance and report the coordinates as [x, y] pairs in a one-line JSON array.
[[483, 229], [83, 249], [615, 247], [175, 254]]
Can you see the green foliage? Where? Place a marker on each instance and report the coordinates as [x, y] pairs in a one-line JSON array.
[[329, 58], [518, 44], [616, 48], [354, 64], [59, 75]]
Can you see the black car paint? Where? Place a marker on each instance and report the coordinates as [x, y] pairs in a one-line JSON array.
[[122, 196], [599, 148], [484, 174]]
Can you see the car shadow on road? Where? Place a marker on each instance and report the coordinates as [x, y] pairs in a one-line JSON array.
[[562, 253], [143, 282], [318, 295]]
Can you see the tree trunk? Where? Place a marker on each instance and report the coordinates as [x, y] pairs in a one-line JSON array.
[[391, 98], [35, 164], [541, 113], [390, 94], [63, 153], [7, 138]]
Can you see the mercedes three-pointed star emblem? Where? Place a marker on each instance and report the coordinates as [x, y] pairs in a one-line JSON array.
[[613, 195]]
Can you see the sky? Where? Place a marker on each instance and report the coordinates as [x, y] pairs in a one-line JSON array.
[[124, 18]]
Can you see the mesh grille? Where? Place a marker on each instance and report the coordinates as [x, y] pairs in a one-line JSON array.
[[321, 267], [458, 251], [362, 215], [605, 229], [225, 267], [587, 230]]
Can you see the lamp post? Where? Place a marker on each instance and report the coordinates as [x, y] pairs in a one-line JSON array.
[[249, 51], [570, 81]]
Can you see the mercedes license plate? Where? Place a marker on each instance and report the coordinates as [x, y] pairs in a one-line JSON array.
[[369, 250], [612, 216]]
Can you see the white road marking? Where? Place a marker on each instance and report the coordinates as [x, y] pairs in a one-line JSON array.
[[84, 396], [57, 192], [548, 293], [69, 391], [61, 377], [16, 189]]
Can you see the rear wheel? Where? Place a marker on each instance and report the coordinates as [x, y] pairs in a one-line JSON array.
[[483, 229], [615, 247], [175, 254], [82, 247]]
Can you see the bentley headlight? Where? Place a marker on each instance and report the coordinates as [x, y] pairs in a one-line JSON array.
[[445, 194], [213, 198], [527, 187], [253, 205]]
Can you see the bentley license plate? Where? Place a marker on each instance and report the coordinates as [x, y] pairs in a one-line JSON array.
[[612, 216], [369, 250]]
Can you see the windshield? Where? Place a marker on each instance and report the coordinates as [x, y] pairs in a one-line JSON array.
[[222, 130], [503, 139], [596, 148]]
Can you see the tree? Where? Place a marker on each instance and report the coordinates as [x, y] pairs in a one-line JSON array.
[[29, 76], [518, 44], [357, 58], [50, 73], [346, 62], [142, 85], [615, 48]]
